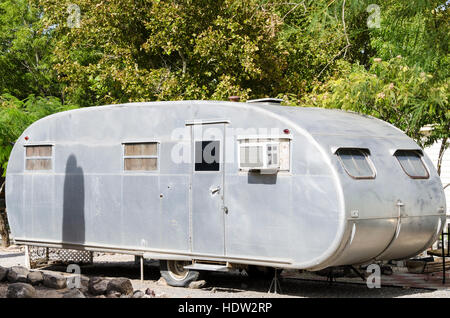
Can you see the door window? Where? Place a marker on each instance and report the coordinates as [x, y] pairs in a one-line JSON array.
[[207, 155]]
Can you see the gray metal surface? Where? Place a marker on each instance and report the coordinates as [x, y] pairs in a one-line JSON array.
[[304, 218]]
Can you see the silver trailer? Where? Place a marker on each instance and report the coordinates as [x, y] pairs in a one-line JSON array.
[[212, 185]]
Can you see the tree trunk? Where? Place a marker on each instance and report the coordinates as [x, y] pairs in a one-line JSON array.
[[4, 232], [441, 154]]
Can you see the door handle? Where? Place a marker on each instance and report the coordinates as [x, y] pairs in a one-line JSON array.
[[401, 209], [215, 190]]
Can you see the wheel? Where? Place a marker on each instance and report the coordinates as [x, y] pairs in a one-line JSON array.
[[176, 275]]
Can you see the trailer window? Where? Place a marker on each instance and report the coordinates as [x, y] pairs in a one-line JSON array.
[[141, 156], [411, 162], [356, 163], [38, 157], [207, 155]]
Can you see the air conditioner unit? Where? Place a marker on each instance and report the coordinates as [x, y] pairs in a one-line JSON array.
[[261, 156]]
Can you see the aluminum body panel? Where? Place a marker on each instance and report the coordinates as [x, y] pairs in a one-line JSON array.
[[207, 215], [298, 219]]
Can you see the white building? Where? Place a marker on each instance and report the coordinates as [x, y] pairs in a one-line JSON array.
[[433, 153]]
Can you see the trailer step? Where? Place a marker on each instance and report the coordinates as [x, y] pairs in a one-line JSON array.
[[208, 267]]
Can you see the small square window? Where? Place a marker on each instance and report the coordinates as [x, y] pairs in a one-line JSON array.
[[141, 156], [38, 157]]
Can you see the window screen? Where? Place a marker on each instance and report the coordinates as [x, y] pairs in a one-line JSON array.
[[412, 164], [141, 156], [272, 154], [207, 155], [251, 156], [356, 163], [38, 157]]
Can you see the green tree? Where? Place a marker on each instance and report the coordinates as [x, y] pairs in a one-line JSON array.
[[26, 65], [417, 30], [164, 50], [16, 115], [405, 96], [316, 37]]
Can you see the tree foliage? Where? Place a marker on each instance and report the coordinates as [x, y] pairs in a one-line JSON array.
[[26, 48], [407, 97], [164, 50], [141, 50], [16, 115], [417, 30]]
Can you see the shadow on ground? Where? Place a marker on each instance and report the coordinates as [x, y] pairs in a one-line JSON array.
[[12, 255]]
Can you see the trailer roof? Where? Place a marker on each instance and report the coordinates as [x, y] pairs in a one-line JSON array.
[[314, 120]]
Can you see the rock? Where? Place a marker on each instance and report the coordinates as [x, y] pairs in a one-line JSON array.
[[35, 278], [20, 290], [97, 286], [84, 280], [3, 273], [114, 295], [150, 292], [138, 294], [121, 285], [162, 282], [197, 284], [84, 288], [53, 280], [74, 293], [124, 296], [18, 274], [100, 296]]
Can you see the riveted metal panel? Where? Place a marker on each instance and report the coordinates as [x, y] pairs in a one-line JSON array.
[[313, 216]]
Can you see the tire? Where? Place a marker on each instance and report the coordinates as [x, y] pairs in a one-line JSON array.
[[175, 275]]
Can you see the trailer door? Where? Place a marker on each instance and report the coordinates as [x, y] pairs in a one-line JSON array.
[[207, 184]]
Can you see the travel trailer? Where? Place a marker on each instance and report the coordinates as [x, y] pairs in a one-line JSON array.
[[208, 185]]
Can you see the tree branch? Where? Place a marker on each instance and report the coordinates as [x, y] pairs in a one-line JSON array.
[[345, 28], [332, 60]]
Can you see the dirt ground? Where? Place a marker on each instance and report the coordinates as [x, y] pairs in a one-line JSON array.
[[218, 285]]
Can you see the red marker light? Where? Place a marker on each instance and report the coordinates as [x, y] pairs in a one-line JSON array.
[[26, 137], [286, 131]]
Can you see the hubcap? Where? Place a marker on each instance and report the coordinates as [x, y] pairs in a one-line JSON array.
[[177, 270]]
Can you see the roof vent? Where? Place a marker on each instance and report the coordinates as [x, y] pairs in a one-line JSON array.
[[266, 101]]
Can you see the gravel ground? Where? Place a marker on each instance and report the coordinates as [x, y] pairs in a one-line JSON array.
[[218, 285]]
